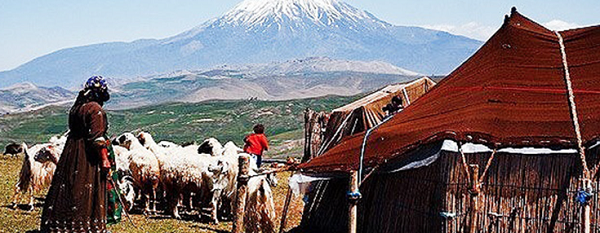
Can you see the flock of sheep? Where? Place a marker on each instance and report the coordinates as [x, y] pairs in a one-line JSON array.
[[200, 177]]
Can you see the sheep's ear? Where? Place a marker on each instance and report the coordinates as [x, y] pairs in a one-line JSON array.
[[141, 138], [122, 139]]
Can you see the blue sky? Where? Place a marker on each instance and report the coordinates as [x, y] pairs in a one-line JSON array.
[[32, 28]]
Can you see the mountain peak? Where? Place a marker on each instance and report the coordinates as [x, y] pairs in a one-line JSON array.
[[257, 31], [321, 12]]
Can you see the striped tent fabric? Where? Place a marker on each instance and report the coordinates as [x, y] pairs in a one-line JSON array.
[[510, 93]]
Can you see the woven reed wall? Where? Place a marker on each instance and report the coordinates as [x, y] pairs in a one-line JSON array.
[[521, 193]]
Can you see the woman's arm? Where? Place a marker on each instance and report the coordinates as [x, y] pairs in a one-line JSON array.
[[96, 125]]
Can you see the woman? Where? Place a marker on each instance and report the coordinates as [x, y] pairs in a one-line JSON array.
[[77, 198]]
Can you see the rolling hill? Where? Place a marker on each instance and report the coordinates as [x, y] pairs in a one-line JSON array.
[[181, 122]]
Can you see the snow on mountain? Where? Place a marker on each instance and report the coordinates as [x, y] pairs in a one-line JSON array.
[[262, 12], [256, 31]]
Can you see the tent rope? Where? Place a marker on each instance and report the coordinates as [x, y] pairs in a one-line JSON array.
[[573, 107], [464, 163], [487, 166]]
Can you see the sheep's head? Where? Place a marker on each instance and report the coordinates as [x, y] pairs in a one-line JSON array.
[[211, 146], [124, 140], [47, 154], [142, 136], [220, 174], [272, 179]]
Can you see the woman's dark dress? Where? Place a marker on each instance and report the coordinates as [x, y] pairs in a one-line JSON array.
[[76, 200]]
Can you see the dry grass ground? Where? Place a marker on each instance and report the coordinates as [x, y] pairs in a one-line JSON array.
[[20, 220]]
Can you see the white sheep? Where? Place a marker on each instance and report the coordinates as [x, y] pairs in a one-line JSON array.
[[225, 172], [37, 170], [183, 171], [260, 210], [144, 168]]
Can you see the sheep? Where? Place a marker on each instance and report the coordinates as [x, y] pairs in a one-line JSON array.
[[183, 171], [226, 172], [185, 175], [260, 210], [37, 170], [188, 171], [144, 168], [225, 176], [212, 175], [13, 149]]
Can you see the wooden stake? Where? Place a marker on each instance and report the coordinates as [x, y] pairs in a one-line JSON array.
[[353, 204], [586, 218], [242, 193], [586, 221], [307, 134], [286, 206], [474, 191]]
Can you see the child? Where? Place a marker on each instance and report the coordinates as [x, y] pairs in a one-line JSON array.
[[256, 143]]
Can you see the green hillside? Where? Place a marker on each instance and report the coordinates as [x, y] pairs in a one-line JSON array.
[[179, 122]]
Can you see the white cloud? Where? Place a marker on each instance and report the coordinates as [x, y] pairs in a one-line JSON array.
[[473, 30], [560, 25]]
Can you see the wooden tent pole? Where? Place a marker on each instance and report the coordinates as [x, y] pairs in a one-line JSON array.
[[586, 218], [286, 206], [353, 209], [474, 191], [308, 115], [242, 193], [587, 210]]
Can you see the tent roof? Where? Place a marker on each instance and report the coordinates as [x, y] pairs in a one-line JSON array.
[[384, 94], [510, 93], [367, 112]]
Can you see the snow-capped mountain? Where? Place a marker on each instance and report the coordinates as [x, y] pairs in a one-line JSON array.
[[315, 13], [257, 31]]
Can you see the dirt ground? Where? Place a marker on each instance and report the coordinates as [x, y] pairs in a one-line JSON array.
[[21, 220]]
